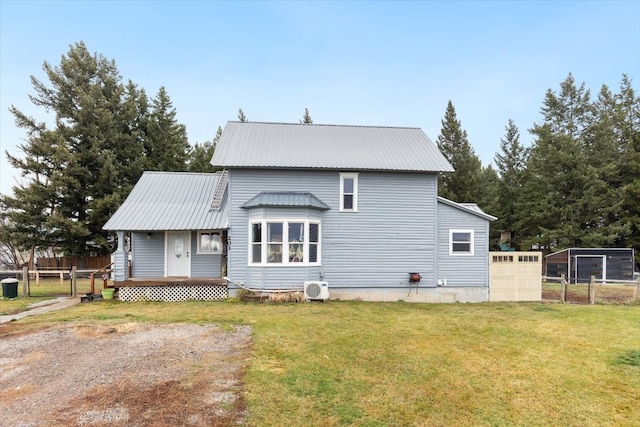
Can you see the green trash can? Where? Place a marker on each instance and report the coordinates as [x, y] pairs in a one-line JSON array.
[[10, 288]]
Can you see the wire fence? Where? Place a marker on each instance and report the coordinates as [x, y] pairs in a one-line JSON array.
[[597, 291]]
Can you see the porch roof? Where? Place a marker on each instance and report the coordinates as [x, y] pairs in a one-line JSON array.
[[172, 201]]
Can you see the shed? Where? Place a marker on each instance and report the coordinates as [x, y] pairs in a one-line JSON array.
[[579, 264]]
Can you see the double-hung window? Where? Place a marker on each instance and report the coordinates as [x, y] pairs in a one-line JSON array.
[[348, 192], [460, 242], [209, 242], [289, 242]]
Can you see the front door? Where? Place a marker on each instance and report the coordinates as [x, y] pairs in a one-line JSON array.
[[178, 252]]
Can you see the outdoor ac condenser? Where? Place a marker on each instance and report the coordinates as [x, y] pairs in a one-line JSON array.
[[316, 291]]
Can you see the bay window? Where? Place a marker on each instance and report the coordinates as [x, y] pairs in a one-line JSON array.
[[292, 242]]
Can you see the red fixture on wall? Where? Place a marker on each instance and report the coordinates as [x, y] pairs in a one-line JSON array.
[[414, 277]]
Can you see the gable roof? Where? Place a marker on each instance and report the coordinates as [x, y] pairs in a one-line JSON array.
[[471, 208], [288, 199], [171, 201], [313, 146]]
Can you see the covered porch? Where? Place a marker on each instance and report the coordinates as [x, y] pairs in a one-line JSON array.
[[172, 237]]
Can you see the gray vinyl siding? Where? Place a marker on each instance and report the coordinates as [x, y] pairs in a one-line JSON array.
[[462, 270], [204, 265], [147, 258], [391, 235]]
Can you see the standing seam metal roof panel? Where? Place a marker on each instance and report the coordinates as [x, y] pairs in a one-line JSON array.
[[171, 201], [312, 146], [286, 199], [467, 207]]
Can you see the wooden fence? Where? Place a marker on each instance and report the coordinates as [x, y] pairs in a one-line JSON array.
[[67, 280], [88, 263]]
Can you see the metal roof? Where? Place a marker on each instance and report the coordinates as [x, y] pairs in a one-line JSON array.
[[171, 201], [313, 146], [595, 250], [288, 199], [472, 208]]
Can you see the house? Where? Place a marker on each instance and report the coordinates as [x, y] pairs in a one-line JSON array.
[[353, 206], [579, 264]]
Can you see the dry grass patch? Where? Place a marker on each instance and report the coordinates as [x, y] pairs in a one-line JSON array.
[[123, 374], [579, 293]]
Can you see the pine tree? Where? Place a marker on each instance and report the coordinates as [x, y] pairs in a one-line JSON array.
[[628, 124], [306, 118], [488, 200], [200, 159], [510, 162], [166, 143], [77, 172], [566, 195], [465, 184], [241, 116]]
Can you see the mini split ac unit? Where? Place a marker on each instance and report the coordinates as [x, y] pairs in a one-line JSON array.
[[316, 291]]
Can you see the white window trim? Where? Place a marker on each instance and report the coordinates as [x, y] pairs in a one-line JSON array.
[[457, 253], [354, 176], [285, 242], [200, 251]]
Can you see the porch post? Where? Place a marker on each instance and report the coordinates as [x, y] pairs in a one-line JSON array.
[[121, 262]]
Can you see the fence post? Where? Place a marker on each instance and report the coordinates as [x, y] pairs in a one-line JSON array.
[[638, 290], [592, 290], [74, 282], [563, 288], [25, 282]]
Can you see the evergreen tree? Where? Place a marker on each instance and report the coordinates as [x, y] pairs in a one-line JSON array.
[[241, 116], [166, 143], [566, 203], [306, 118], [488, 200], [465, 184], [628, 124], [202, 153], [510, 162], [77, 172]]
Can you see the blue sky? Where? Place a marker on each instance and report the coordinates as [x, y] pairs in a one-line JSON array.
[[362, 63]]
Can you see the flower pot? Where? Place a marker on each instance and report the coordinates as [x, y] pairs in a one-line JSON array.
[[107, 293]]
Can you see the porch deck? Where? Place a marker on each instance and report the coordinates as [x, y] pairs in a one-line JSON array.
[[169, 281]]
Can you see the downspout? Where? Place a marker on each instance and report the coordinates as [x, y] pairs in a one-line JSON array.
[[436, 233], [488, 278]]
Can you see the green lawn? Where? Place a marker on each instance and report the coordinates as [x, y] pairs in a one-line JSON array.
[[402, 364]]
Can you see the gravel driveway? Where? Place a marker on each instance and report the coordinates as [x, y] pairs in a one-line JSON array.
[[129, 374]]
